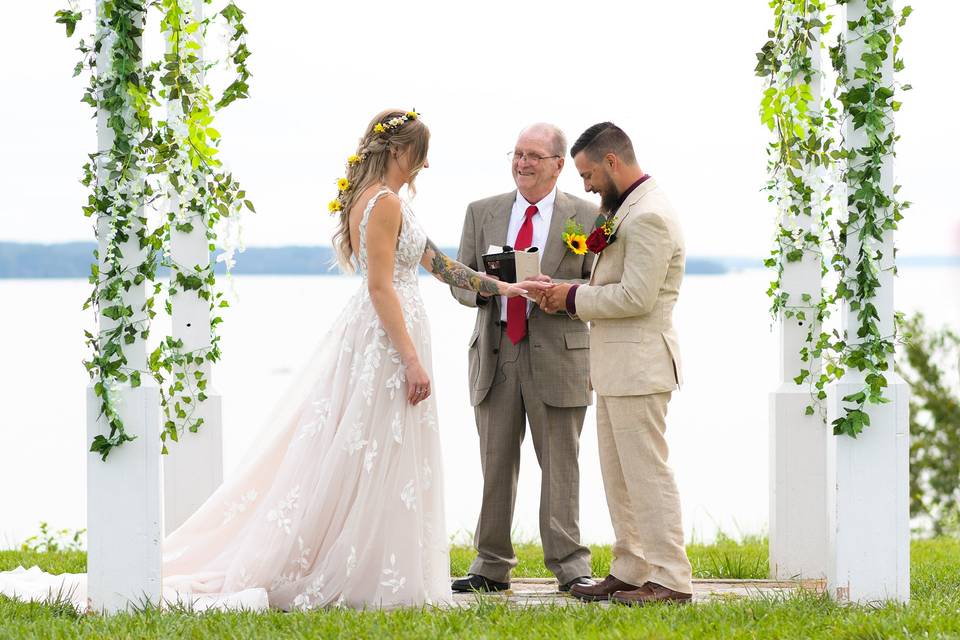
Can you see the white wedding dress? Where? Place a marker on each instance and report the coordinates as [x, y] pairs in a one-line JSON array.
[[341, 502]]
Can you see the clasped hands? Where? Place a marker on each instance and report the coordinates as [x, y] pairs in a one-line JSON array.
[[550, 296]]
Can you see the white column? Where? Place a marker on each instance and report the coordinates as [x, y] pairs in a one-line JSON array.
[[798, 520], [193, 467], [868, 477], [123, 492]]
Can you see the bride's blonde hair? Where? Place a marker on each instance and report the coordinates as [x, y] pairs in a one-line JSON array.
[[369, 167]]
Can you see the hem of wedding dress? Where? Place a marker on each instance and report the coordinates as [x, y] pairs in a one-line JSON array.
[[71, 589]]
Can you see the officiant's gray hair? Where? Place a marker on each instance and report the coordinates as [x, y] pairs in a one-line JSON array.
[[558, 141]]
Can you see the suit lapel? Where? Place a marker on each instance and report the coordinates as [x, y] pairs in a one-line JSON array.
[[624, 212], [496, 224], [593, 269], [554, 248], [497, 221]]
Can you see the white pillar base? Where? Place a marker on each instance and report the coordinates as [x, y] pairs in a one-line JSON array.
[[869, 501], [123, 505], [798, 494], [193, 467]]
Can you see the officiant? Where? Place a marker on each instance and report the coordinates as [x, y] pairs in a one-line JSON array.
[[529, 366]]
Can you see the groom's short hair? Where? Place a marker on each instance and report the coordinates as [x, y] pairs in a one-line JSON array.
[[604, 138]]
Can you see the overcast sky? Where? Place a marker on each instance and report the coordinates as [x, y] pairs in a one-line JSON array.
[[677, 76]]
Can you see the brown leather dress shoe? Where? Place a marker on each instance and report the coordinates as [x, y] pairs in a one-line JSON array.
[[600, 591], [650, 593]]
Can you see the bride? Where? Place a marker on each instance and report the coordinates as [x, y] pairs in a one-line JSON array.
[[343, 504]]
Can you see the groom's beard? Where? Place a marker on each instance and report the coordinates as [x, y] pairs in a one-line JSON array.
[[609, 199]]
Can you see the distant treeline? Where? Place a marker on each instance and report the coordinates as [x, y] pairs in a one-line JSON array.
[[72, 260]]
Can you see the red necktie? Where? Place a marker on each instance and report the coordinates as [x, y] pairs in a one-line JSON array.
[[517, 307]]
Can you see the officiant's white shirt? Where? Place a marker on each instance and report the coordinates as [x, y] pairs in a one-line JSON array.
[[541, 228]]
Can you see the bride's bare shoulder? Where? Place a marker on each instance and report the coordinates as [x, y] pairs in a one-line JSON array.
[[386, 201], [385, 216]]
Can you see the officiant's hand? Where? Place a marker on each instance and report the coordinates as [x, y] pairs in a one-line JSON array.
[[555, 299]]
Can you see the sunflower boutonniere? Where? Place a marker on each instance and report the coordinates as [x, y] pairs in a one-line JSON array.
[[574, 237], [602, 235]]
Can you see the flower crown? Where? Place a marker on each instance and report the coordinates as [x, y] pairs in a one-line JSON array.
[[379, 129]]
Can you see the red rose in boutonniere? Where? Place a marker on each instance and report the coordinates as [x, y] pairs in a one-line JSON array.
[[602, 235]]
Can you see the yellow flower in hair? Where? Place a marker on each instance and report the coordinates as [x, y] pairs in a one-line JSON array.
[[576, 242], [378, 128], [412, 115], [343, 184], [354, 159], [334, 206]]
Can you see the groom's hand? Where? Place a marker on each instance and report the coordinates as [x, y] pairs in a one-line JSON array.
[[554, 300]]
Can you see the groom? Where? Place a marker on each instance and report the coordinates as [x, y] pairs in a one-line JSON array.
[[525, 365], [634, 367]]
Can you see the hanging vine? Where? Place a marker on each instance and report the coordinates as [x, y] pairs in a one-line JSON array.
[[873, 209], [163, 163], [800, 162], [807, 162]]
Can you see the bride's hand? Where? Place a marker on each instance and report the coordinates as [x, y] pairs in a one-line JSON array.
[[418, 383], [533, 288]]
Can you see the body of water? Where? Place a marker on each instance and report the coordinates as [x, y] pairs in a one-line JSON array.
[[717, 426]]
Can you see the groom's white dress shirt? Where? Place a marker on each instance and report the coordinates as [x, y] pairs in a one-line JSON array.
[[541, 229]]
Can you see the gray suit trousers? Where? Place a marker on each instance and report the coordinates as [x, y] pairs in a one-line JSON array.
[[501, 423]]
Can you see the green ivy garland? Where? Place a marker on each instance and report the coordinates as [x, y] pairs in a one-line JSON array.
[[800, 160], [805, 147], [152, 162], [872, 210]]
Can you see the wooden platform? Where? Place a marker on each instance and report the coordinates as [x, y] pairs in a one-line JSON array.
[[543, 591]]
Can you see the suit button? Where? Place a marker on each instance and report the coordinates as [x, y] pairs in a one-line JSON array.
[[496, 350]]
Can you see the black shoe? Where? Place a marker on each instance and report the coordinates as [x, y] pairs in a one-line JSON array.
[[474, 582], [585, 581]]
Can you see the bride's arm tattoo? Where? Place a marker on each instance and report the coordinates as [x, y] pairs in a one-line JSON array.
[[454, 273]]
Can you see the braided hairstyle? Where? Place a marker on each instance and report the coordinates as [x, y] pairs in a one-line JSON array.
[[373, 152]]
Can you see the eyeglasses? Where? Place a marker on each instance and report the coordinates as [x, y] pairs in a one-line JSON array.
[[532, 158]]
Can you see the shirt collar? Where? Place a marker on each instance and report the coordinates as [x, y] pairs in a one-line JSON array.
[[545, 203]]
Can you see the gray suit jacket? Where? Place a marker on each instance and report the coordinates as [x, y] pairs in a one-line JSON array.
[[559, 344]]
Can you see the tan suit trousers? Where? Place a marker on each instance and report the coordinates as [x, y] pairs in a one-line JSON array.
[[641, 492]]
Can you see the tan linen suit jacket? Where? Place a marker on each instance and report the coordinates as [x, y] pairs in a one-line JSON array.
[[558, 343], [629, 301]]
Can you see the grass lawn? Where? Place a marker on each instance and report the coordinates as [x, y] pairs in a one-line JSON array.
[[933, 613]]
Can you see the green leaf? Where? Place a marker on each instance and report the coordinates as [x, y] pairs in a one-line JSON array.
[[69, 19]]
